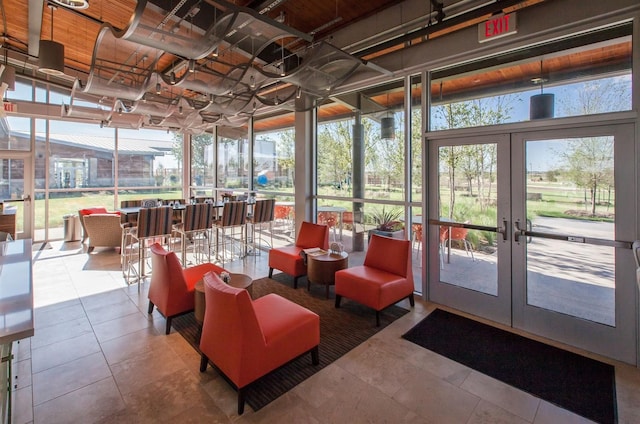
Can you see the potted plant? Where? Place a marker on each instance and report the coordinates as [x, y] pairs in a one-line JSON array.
[[387, 223]]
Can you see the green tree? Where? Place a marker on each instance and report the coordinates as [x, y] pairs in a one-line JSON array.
[[589, 161], [474, 163], [589, 164], [335, 143]]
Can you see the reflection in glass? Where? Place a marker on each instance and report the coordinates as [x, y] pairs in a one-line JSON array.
[[570, 191], [274, 160], [467, 194], [233, 158]]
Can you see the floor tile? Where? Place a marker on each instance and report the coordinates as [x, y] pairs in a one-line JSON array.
[[60, 380], [64, 351], [88, 404]]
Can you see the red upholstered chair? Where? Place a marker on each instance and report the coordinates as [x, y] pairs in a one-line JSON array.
[[288, 260], [172, 287], [247, 339], [386, 277]]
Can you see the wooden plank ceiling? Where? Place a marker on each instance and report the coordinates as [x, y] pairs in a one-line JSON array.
[[78, 29]]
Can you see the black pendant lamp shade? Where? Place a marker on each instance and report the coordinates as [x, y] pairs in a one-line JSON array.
[[388, 128], [541, 106], [51, 56]]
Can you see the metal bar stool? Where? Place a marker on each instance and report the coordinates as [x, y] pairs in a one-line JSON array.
[[153, 224], [263, 212], [234, 216], [196, 221]]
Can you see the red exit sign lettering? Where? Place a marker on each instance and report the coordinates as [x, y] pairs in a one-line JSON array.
[[10, 107], [496, 27]]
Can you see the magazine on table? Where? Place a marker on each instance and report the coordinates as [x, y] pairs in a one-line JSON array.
[[314, 251]]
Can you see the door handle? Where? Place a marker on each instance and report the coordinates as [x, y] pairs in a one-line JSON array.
[[518, 232], [504, 229]]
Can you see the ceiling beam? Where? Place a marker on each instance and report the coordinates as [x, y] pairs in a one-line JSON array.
[[35, 26], [470, 15]]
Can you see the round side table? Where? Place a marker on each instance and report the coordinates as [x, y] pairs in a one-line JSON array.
[[240, 281], [321, 269]]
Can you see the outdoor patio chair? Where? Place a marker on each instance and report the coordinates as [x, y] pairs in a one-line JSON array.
[[460, 235]]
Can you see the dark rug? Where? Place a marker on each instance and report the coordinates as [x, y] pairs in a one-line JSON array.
[[568, 380], [340, 331]]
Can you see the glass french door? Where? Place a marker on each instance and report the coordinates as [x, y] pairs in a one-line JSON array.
[[15, 182], [470, 269], [534, 231]]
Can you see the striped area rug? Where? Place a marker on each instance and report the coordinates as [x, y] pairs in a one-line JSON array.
[[340, 331]]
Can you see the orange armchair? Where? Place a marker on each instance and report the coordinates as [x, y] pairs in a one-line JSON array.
[[247, 339], [386, 277], [172, 287], [288, 260]]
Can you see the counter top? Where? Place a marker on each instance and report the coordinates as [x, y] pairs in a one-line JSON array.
[[9, 210], [16, 291]]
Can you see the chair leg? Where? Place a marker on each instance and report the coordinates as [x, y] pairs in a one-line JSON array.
[[467, 246], [315, 356], [377, 318], [295, 282], [412, 301], [240, 401], [150, 307], [270, 272], [204, 361], [168, 329], [338, 299]]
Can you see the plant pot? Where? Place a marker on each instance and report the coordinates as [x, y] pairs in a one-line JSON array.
[[399, 234]]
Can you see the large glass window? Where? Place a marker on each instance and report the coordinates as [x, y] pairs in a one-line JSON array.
[[202, 165], [23, 91], [149, 164], [15, 134], [546, 81], [274, 160], [80, 155], [233, 158]]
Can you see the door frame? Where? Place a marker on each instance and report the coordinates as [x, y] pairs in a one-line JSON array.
[[617, 342], [27, 214], [622, 344], [495, 308]]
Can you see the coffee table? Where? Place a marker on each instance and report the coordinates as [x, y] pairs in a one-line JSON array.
[[240, 281], [321, 269]]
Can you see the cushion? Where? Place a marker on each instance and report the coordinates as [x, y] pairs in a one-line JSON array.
[[91, 211]]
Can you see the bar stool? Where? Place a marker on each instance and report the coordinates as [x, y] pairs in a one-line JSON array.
[[263, 212], [153, 223], [196, 221], [234, 215]]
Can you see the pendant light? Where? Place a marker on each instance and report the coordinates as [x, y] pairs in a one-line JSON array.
[[51, 59], [73, 4], [388, 125], [541, 106], [8, 76]]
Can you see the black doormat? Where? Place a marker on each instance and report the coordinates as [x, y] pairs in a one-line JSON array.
[[340, 331], [571, 381]]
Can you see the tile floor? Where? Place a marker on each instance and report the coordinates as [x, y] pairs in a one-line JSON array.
[[97, 357]]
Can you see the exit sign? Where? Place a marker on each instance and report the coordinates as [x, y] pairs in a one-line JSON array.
[[496, 27], [10, 107]]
